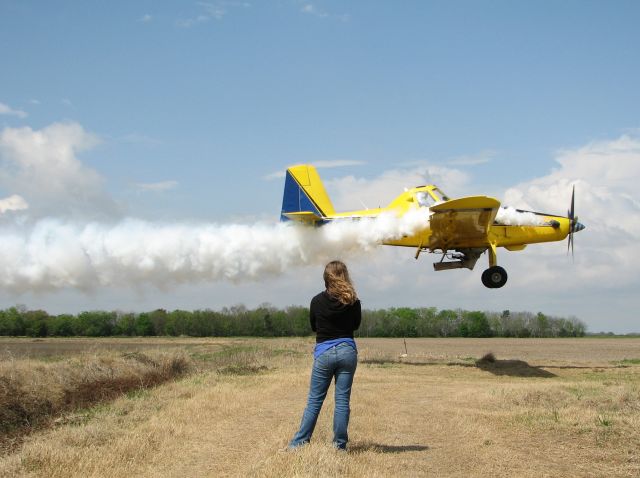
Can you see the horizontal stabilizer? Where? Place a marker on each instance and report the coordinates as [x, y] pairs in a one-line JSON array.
[[303, 216]]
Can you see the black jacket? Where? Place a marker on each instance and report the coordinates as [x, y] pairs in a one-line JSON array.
[[331, 319]]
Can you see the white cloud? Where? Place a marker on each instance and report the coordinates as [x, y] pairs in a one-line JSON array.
[[275, 175], [211, 11], [189, 22], [311, 9], [473, 160], [7, 110], [350, 192], [146, 18], [13, 203], [337, 163], [605, 175], [157, 187], [43, 167]]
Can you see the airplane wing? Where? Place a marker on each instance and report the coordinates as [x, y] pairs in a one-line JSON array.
[[462, 223]]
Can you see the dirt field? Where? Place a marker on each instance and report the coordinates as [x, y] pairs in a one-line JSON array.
[[544, 407]]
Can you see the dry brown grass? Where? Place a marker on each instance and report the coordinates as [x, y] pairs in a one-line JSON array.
[[432, 413], [32, 392]]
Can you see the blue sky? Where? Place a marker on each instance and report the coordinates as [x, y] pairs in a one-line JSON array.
[[191, 106]]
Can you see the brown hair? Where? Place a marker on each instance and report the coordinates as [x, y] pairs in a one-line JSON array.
[[338, 282]]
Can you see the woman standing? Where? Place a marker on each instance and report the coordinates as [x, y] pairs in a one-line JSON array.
[[334, 314]]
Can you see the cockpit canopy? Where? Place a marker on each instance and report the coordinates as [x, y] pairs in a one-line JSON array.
[[428, 196]]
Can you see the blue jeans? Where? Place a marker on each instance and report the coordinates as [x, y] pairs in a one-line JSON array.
[[339, 362]]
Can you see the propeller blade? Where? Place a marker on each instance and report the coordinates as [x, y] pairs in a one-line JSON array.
[[572, 222], [570, 245], [573, 196]]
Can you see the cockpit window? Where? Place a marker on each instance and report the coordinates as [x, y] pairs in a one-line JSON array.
[[442, 195], [424, 199]]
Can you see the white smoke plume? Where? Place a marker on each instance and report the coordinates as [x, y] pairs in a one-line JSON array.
[[52, 254], [510, 216]]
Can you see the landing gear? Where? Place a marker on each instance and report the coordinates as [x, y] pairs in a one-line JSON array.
[[494, 277]]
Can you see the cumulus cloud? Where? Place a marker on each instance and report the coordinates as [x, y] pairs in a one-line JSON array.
[[13, 203], [43, 167], [351, 192], [605, 175], [7, 110]]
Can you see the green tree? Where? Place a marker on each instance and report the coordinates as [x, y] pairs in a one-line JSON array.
[[541, 325], [125, 324], [477, 324], [95, 323], [298, 318], [61, 325], [447, 320], [178, 322], [144, 325], [12, 322], [406, 322], [35, 323], [158, 319], [427, 323]]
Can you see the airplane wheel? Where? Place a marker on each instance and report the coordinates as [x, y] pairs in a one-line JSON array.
[[494, 277]]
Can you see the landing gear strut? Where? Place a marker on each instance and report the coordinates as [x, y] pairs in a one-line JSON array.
[[494, 277]]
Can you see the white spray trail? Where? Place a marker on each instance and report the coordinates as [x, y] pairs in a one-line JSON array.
[[53, 254], [510, 216]]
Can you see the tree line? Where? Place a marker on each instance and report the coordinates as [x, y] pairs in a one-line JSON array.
[[269, 321]]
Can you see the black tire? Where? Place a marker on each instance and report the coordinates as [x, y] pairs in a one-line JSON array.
[[494, 277]]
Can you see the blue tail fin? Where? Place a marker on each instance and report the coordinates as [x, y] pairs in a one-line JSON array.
[[304, 198]]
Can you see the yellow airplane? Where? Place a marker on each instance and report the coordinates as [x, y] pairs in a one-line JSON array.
[[460, 229]]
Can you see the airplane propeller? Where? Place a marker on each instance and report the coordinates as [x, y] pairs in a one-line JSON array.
[[574, 225]]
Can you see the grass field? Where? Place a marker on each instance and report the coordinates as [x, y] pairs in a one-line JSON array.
[[543, 407]]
